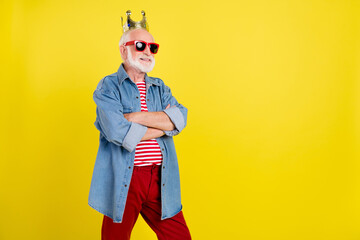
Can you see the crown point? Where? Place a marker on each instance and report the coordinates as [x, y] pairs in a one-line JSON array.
[[130, 24]]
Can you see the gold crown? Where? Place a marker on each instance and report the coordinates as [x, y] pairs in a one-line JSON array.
[[130, 24]]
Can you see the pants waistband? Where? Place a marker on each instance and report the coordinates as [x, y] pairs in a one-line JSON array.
[[147, 168]]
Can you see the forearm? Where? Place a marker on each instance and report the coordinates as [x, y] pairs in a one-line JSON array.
[[159, 120], [152, 133]]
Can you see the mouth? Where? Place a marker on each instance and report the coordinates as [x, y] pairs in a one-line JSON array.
[[145, 59]]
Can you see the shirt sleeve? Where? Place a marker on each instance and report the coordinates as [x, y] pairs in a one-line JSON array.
[[111, 122], [177, 112]]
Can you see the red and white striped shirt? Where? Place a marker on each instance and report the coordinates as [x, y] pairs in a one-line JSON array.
[[146, 152]]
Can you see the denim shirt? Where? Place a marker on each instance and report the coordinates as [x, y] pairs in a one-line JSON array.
[[115, 95]]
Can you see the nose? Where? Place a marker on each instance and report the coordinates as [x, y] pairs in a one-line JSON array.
[[147, 50]]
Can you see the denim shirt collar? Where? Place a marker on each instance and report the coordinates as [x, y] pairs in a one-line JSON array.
[[122, 75]]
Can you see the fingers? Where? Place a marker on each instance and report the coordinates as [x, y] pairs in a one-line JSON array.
[[168, 106]]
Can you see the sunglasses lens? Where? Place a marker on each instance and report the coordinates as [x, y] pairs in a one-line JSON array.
[[153, 48], [140, 46]]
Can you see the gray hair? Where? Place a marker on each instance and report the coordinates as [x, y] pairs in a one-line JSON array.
[[124, 38]]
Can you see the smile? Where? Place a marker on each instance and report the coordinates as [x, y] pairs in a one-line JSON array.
[[145, 59]]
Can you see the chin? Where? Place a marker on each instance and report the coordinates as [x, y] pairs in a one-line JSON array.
[[142, 67], [146, 67]]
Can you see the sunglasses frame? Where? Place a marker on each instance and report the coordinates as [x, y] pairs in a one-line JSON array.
[[146, 43]]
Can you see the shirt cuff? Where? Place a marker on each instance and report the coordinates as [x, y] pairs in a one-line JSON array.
[[171, 133], [134, 136], [176, 118]]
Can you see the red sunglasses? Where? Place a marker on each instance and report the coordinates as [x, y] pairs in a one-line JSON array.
[[141, 45]]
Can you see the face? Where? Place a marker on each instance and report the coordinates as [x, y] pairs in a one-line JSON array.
[[141, 61]]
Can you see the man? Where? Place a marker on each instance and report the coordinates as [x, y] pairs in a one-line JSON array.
[[136, 169]]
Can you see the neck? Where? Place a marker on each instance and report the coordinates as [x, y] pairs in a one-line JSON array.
[[134, 74]]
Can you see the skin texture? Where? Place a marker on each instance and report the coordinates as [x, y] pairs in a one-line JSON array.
[[157, 122]]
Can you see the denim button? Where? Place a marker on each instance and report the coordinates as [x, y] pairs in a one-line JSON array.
[[125, 185]]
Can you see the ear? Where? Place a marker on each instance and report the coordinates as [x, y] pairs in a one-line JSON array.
[[123, 52]]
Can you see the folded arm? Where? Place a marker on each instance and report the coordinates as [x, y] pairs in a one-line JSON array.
[[158, 120], [152, 133], [172, 120], [112, 124]]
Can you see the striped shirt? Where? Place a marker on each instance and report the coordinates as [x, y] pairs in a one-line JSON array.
[[147, 152]]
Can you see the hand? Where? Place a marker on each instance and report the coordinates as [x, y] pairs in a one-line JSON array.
[[168, 106]]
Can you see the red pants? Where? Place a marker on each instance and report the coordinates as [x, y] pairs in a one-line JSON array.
[[144, 198]]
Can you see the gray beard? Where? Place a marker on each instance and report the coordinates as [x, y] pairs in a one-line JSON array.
[[137, 65]]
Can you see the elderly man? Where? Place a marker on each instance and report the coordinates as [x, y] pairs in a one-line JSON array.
[[136, 169]]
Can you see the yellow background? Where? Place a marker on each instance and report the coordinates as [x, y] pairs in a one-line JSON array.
[[271, 149]]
